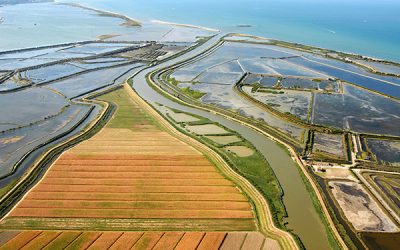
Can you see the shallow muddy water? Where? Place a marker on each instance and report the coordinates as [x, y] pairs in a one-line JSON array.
[[15, 144]]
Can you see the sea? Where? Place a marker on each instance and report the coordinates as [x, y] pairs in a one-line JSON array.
[[367, 27]]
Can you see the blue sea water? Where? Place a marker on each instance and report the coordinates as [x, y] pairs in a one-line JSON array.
[[368, 27], [38, 24]]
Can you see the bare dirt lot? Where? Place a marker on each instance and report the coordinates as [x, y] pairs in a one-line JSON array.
[[360, 208]]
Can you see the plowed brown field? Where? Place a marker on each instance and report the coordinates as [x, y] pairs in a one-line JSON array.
[[132, 176], [133, 157], [138, 240]]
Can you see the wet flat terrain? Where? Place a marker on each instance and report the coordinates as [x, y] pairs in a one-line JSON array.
[[360, 208]]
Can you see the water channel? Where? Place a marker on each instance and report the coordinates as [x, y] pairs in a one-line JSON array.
[[303, 218]]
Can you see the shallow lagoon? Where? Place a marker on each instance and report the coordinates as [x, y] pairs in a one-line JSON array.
[[381, 67], [84, 83], [293, 102], [219, 78], [385, 150], [254, 58], [359, 110], [49, 73], [370, 28], [298, 83], [14, 144], [268, 81], [92, 49], [35, 24], [29, 105], [364, 81], [224, 97], [11, 64], [257, 67], [252, 78], [228, 67]]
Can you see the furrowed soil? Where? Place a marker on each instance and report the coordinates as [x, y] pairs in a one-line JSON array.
[[131, 176], [136, 240]]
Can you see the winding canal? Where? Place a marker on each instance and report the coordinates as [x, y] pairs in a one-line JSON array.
[[303, 218]]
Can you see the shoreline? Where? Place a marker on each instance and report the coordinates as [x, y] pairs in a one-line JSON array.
[[347, 57], [128, 20], [184, 25], [135, 22]]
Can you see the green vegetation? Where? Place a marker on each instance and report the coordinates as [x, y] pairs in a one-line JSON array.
[[184, 100], [7, 188], [127, 116], [187, 91], [192, 93], [254, 168], [338, 224], [131, 224], [257, 170], [173, 81], [255, 87], [265, 90]]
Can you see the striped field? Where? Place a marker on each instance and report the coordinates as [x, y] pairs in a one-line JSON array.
[[50, 240], [133, 186]]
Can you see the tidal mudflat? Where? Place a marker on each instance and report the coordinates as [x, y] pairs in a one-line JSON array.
[[331, 144], [296, 103], [387, 185], [358, 110], [85, 83], [224, 96], [360, 208], [207, 129], [385, 151], [241, 151], [296, 96]]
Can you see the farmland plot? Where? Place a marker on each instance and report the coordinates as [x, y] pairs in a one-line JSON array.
[[135, 240], [133, 170]]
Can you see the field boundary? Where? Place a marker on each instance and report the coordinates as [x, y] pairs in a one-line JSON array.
[[31, 179], [292, 152], [266, 224]]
